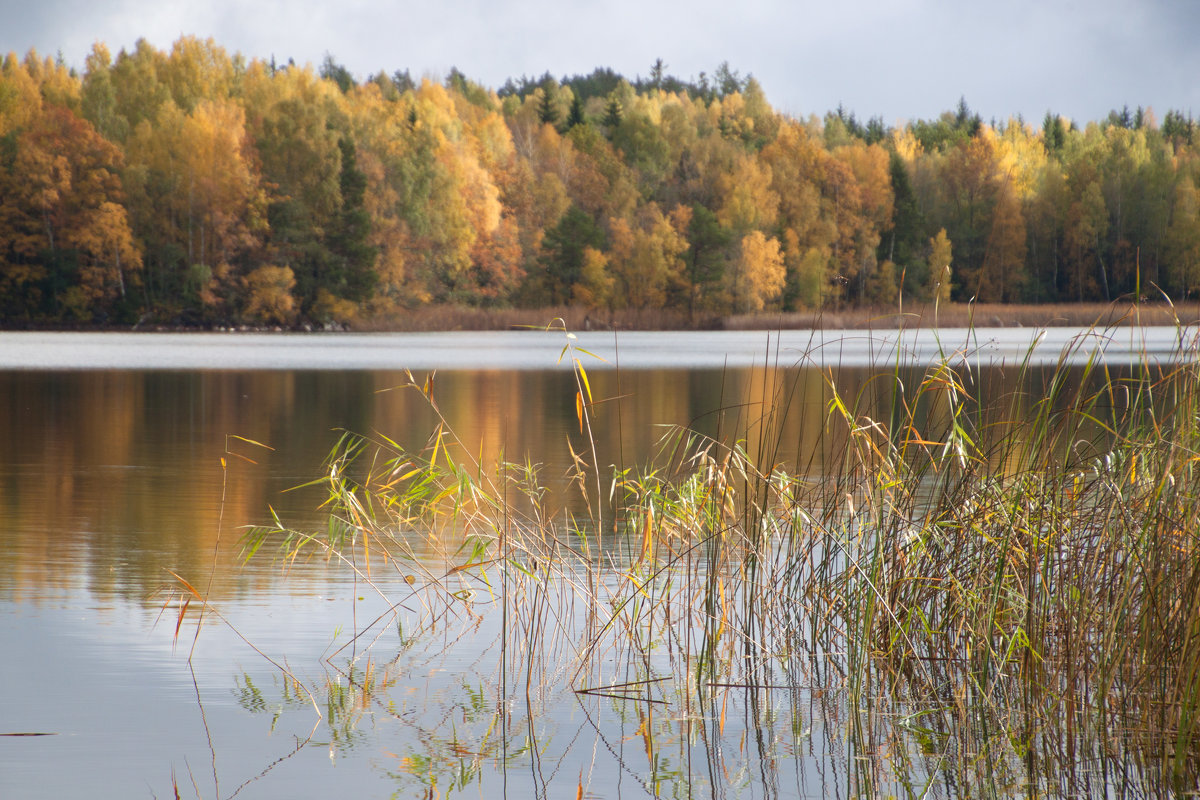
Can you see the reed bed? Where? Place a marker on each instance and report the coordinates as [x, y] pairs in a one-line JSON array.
[[910, 315], [972, 315], [983, 597], [470, 318]]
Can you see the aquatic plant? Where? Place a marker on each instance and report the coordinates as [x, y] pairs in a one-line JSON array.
[[997, 596]]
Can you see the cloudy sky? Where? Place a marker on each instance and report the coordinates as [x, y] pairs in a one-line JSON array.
[[899, 59]]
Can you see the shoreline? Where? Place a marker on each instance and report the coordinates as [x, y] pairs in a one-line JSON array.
[[948, 315]]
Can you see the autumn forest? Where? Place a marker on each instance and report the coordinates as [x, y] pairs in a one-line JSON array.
[[196, 187]]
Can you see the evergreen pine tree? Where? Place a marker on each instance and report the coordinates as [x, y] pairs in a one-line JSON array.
[[548, 105], [613, 114], [353, 258], [576, 117]]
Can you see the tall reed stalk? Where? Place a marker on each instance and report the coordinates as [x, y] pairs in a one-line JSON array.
[[1003, 593]]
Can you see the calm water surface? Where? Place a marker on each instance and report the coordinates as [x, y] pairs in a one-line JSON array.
[[127, 460], [539, 350]]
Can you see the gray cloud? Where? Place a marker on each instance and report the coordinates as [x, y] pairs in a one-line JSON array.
[[904, 59]]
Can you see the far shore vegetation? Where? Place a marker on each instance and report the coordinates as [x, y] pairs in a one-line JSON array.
[[904, 315], [195, 188]]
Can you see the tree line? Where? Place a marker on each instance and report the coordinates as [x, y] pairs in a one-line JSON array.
[[198, 187]]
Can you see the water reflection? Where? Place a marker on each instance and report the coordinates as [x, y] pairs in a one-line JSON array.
[[437, 718], [110, 479]]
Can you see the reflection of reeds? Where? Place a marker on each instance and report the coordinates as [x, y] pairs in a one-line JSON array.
[[1004, 592]]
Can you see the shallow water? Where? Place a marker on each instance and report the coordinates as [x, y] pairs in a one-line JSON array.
[[126, 460], [539, 350]]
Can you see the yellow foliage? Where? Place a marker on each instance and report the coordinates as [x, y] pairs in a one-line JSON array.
[[63, 193], [1020, 158], [760, 274], [748, 200], [495, 143], [198, 70], [906, 145], [331, 308], [194, 178], [939, 266], [55, 82], [811, 277], [270, 297], [869, 163], [1183, 239], [20, 100], [594, 289], [645, 260], [1003, 272], [108, 252], [797, 162]]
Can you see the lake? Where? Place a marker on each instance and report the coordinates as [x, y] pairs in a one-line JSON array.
[[132, 462]]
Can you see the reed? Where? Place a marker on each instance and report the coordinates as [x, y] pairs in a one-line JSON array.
[[972, 315], [1000, 593], [912, 315], [470, 318]]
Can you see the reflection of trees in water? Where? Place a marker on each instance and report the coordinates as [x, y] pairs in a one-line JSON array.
[[122, 471], [690, 656]]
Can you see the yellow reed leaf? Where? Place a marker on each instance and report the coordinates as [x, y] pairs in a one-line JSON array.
[[648, 739], [187, 586], [579, 409], [250, 441], [583, 374], [647, 534], [187, 601], [437, 443]]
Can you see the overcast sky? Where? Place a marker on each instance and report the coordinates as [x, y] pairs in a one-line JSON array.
[[899, 59]]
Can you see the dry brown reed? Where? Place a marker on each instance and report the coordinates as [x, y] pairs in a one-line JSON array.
[[974, 315], [913, 315], [579, 318]]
